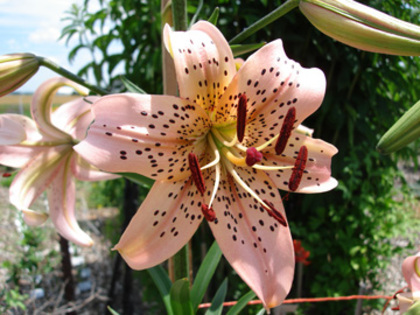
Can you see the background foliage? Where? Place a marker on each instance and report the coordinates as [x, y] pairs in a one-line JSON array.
[[349, 231]]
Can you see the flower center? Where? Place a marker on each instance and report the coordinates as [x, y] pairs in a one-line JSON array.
[[229, 150]]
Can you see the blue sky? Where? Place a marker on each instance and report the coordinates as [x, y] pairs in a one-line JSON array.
[[35, 26]]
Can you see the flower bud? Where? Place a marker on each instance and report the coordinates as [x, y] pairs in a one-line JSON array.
[[363, 27], [15, 70], [404, 131]]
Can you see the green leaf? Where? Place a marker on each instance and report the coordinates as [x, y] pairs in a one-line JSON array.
[[180, 298], [214, 16], [261, 311], [242, 302], [414, 309], [138, 179], [112, 311], [163, 283], [204, 274], [130, 86], [216, 307], [243, 49]]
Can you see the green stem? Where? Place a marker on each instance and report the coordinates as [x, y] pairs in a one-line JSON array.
[[69, 75], [269, 18], [179, 11], [181, 264]]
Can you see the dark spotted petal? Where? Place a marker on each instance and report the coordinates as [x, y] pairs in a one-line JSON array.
[[272, 83], [165, 222], [255, 244], [203, 61], [147, 134]]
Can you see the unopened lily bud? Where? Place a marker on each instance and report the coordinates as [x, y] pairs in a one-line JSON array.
[[15, 70], [404, 131], [363, 27]]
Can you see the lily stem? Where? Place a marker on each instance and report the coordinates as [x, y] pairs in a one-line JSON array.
[[69, 75], [269, 18], [179, 11]]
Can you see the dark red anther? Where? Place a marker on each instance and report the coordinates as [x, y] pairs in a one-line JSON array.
[[196, 173], [298, 169], [275, 213], [208, 213], [286, 130], [241, 118], [7, 174], [253, 156]]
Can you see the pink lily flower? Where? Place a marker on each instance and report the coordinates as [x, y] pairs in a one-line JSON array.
[[411, 273], [43, 149], [220, 151]]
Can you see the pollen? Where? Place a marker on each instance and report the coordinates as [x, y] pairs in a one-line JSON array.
[[241, 118], [298, 169], [286, 130], [196, 173]]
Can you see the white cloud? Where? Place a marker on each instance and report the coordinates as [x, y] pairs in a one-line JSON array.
[[47, 34]]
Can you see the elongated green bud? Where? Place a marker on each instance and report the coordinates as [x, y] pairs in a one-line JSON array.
[[404, 131], [15, 70], [363, 27]]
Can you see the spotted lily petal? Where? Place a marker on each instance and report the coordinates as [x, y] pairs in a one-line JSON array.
[[165, 222], [203, 60], [41, 106], [35, 177], [272, 83], [317, 174], [61, 200], [147, 134], [255, 244]]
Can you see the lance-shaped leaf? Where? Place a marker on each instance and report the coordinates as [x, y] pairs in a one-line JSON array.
[[180, 298]]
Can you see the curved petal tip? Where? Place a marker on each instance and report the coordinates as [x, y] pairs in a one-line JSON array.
[[33, 218]]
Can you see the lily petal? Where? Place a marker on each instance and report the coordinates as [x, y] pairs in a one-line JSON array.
[[147, 134], [35, 177], [272, 83], [74, 117], [11, 131], [82, 170], [317, 174], [203, 60], [61, 199], [34, 218], [411, 273], [41, 105], [165, 222], [255, 244]]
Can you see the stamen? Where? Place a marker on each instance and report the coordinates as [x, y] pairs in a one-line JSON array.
[[196, 173], [237, 160], [286, 130], [208, 213], [216, 185], [216, 154], [241, 118], [298, 169], [6, 174], [253, 156], [275, 213]]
